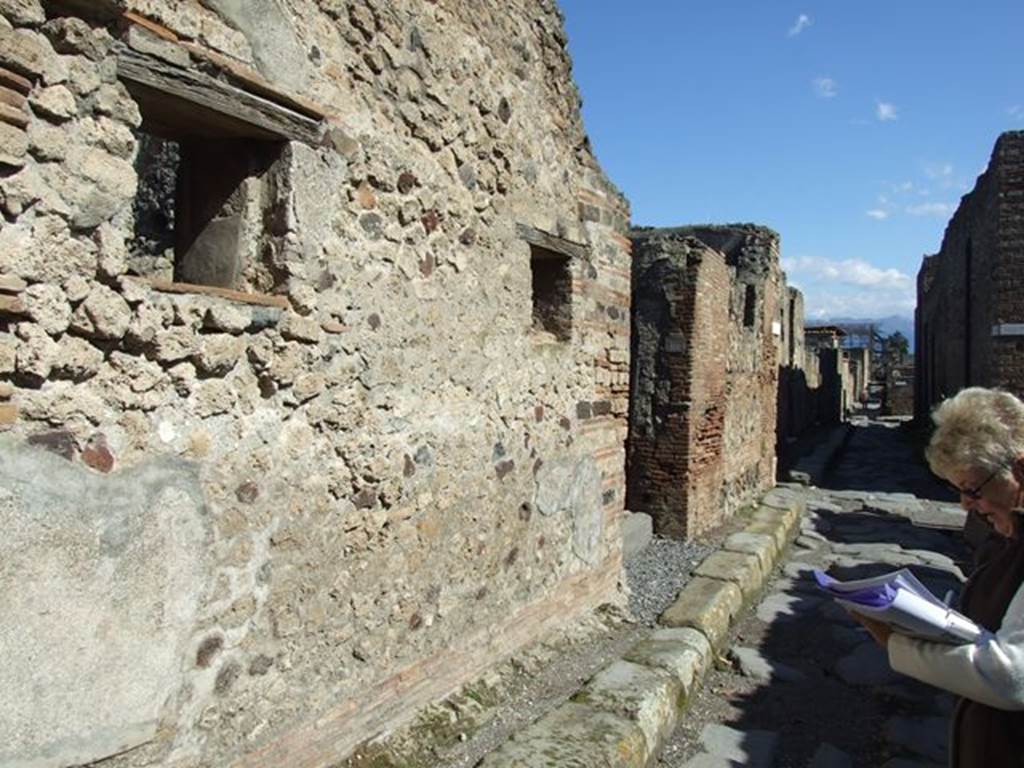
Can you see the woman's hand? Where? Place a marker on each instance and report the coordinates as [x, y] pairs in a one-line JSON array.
[[879, 631]]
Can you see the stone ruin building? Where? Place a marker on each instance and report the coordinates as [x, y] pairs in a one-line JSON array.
[[708, 307], [969, 321], [314, 322], [723, 377]]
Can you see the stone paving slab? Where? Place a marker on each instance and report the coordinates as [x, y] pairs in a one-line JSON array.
[[828, 756], [752, 748]]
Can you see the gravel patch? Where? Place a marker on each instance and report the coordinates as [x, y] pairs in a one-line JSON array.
[[657, 573]]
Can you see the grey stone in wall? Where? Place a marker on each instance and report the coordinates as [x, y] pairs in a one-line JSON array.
[[268, 29], [100, 582]]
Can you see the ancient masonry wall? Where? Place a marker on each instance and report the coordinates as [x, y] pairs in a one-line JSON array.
[[707, 303], [799, 375], [970, 321], [348, 430]]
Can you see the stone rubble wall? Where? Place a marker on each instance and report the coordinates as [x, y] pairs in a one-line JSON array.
[[706, 341], [380, 478], [972, 285]]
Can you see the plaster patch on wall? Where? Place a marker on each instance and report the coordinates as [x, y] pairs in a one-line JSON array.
[[572, 487], [100, 582]]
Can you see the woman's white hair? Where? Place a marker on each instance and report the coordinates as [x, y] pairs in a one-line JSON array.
[[977, 428]]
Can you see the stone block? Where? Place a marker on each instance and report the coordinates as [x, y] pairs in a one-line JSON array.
[[55, 103], [709, 605], [23, 53], [759, 545], [23, 12], [776, 529], [754, 748], [683, 652], [784, 519], [8, 414], [13, 146], [574, 736], [148, 42], [637, 532], [740, 568], [649, 697]]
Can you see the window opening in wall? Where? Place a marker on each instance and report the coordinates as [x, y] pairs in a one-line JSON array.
[[552, 292], [749, 306], [201, 211], [207, 210]]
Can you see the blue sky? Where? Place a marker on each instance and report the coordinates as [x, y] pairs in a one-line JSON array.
[[851, 128]]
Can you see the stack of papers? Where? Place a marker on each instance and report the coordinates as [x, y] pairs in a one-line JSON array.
[[904, 603]]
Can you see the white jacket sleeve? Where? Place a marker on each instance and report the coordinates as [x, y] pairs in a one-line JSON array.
[[989, 671]]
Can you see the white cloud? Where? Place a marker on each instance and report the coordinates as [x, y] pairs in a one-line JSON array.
[[803, 21], [885, 111], [820, 305], [850, 287], [825, 87], [938, 170], [944, 210], [847, 272], [878, 214]]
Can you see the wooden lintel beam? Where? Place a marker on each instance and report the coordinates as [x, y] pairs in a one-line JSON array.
[[555, 243], [205, 92], [258, 299]]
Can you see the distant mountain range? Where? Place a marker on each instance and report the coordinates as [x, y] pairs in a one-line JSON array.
[[884, 325]]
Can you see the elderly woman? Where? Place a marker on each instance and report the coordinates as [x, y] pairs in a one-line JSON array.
[[978, 446]]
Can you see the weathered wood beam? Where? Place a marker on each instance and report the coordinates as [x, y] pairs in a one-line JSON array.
[[259, 299], [203, 92], [551, 242]]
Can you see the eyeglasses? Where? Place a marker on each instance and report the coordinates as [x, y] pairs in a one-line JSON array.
[[974, 494]]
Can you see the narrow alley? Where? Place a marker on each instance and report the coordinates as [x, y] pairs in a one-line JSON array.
[[801, 684]]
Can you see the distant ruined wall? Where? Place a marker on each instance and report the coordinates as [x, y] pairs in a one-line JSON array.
[[799, 375], [706, 328], [970, 314], [314, 354]]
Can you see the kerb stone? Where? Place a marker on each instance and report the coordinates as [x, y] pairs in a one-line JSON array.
[[742, 569], [788, 515], [574, 736], [706, 604], [683, 652], [651, 698], [763, 547], [777, 529]]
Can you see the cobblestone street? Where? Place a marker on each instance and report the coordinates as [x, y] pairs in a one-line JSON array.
[[801, 684]]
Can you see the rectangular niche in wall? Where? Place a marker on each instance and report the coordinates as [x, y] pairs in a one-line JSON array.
[[552, 292], [551, 276], [205, 211]]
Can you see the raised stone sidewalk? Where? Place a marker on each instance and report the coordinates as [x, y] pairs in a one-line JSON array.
[[623, 715]]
